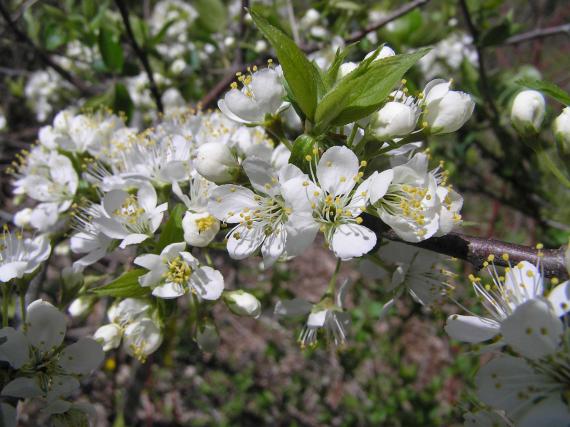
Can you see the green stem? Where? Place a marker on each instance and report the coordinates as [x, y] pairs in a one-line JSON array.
[[208, 257], [332, 283], [544, 157], [352, 135], [22, 297], [5, 303]]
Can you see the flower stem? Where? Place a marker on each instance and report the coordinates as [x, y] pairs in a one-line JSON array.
[[5, 304], [332, 283]]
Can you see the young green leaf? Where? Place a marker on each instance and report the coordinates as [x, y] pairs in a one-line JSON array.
[[172, 231], [212, 15], [126, 286], [363, 91], [111, 50], [301, 75], [547, 88]]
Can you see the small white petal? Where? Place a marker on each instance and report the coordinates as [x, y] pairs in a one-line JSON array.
[[471, 329], [82, 357], [46, 325], [352, 240], [16, 349]]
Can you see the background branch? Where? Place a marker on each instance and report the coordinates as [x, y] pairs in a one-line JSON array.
[[539, 33], [141, 54], [44, 56]]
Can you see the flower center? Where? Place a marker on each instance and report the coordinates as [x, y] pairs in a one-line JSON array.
[[130, 210], [178, 271], [204, 224]]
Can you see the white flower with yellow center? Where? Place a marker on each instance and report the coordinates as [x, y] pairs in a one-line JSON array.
[[199, 226], [20, 256], [501, 297], [175, 272], [406, 199], [264, 217], [261, 94], [130, 218], [336, 205]]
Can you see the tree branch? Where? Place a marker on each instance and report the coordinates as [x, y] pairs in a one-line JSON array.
[[475, 250], [141, 54], [539, 33], [354, 37], [44, 56]]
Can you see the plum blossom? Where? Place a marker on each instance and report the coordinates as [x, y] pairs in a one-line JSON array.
[[130, 218], [501, 298], [43, 369], [175, 272], [20, 256], [264, 216], [445, 110], [262, 94]]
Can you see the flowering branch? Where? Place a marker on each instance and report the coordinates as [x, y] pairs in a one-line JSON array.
[[539, 33], [476, 250], [141, 54]]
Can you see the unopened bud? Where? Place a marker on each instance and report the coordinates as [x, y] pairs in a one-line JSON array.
[[243, 303], [216, 163], [527, 111], [561, 129]]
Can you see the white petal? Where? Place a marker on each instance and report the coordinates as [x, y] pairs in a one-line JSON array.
[[22, 387], [471, 329], [249, 240], [267, 90], [146, 197], [559, 297], [352, 240], [273, 246], [301, 233], [337, 169], [16, 349], [12, 270], [228, 201], [173, 250], [144, 335], [317, 320], [379, 184], [261, 176], [109, 336], [208, 283], [533, 330], [46, 325], [113, 200], [169, 290], [243, 106], [62, 386], [551, 411], [148, 261], [82, 357], [524, 281], [133, 239], [229, 114]]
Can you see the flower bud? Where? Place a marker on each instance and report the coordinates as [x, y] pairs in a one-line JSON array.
[[561, 129], [446, 110], [310, 18], [109, 336], [216, 163], [207, 337], [345, 69], [22, 218], [79, 306], [199, 228], [385, 52], [394, 119], [243, 303], [527, 111]]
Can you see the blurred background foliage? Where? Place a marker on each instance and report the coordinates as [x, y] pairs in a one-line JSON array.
[[399, 368]]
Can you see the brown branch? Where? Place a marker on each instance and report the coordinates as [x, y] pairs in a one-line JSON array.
[[475, 250], [539, 33], [141, 54], [354, 37], [43, 55]]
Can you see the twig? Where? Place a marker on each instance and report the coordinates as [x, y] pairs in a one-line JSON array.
[[539, 33], [44, 56], [292, 23], [141, 54], [354, 37], [475, 250]]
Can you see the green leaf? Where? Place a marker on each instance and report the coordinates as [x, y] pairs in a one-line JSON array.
[[126, 286], [332, 72], [122, 101], [172, 231], [111, 50], [300, 74], [54, 37], [547, 88], [363, 91], [303, 147], [213, 16]]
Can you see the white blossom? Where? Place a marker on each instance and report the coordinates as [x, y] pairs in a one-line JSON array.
[[20, 256], [446, 110], [527, 111]]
